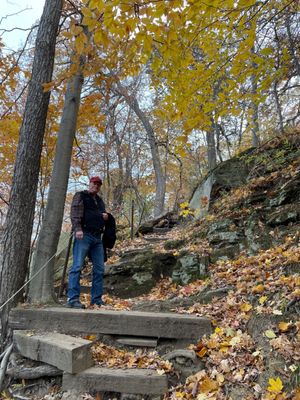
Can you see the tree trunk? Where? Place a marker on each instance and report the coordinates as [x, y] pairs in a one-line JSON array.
[[278, 107], [292, 43], [41, 287], [211, 150], [19, 221], [254, 115], [160, 179]]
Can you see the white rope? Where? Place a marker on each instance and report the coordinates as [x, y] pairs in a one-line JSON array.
[[33, 276]]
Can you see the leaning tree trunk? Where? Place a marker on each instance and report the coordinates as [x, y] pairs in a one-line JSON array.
[[160, 179], [19, 221], [41, 286]]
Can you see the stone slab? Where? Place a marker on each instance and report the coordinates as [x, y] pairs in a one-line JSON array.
[[136, 341], [130, 323], [64, 352], [138, 381]]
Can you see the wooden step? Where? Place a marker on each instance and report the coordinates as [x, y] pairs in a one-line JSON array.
[[138, 381], [63, 351], [129, 323], [136, 341]]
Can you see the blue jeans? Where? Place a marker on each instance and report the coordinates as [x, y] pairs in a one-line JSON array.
[[92, 246]]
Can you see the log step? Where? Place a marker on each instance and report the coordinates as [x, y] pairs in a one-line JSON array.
[[127, 323], [133, 381], [64, 352]]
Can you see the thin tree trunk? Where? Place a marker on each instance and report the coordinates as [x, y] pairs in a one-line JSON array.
[[278, 107], [211, 149], [254, 115], [41, 287], [292, 44], [19, 221], [160, 179]]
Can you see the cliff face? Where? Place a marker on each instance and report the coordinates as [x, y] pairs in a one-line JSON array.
[[254, 199]]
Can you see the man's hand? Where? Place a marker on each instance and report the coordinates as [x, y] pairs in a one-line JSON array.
[[79, 235], [105, 216]]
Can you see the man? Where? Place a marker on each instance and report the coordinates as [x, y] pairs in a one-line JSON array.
[[88, 217]]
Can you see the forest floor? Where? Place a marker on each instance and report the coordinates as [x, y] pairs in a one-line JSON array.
[[261, 285]]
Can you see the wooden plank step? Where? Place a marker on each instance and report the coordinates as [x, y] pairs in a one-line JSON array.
[[130, 323], [138, 381], [136, 341], [64, 352]]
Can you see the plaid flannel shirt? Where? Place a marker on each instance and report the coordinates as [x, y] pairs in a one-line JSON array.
[[77, 210]]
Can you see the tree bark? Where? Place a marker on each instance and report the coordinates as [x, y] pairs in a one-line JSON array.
[[254, 108], [160, 179], [41, 287], [19, 221], [278, 107], [211, 149]]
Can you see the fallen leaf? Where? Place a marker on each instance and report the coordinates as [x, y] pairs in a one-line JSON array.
[[160, 372], [284, 326], [262, 300], [245, 307], [208, 385], [276, 385], [270, 334], [258, 289]]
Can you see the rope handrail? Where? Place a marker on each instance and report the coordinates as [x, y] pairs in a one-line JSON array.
[[33, 276]]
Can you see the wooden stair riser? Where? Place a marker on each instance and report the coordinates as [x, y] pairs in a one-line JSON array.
[[129, 323]]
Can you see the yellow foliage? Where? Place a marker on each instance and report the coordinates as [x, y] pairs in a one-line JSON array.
[[275, 385]]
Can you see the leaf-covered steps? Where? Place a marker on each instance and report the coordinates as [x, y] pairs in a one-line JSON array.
[[73, 356], [131, 323], [138, 381]]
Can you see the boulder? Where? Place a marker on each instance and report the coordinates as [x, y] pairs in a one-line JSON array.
[[190, 267], [227, 175], [159, 224]]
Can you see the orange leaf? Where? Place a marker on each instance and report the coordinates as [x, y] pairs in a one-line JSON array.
[[258, 289], [284, 326], [208, 385], [202, 352]]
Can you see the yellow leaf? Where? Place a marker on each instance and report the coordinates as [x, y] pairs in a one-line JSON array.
[[284, 326], [98, 36], [245, 307], [67, 34], [79, 45], [258, 289], [276, 385], [270, 334], [262, 300]]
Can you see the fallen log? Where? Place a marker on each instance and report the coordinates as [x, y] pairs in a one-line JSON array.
[[21, 372]]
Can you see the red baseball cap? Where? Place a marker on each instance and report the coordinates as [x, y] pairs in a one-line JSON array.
[[96, 179]]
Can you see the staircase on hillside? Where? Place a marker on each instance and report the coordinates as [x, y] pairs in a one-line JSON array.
[[53, 335], [44, 335]]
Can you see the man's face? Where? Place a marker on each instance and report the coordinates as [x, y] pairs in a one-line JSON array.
[[94, 187]]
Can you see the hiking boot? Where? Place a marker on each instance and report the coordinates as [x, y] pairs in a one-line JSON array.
[[98, 303], [75, 304]]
